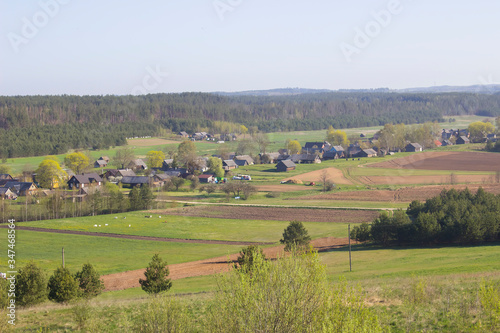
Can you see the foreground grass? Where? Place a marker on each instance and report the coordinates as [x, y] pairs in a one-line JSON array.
[[186, 227], [108, 255]]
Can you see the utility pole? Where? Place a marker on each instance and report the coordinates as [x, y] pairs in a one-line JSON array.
[[349, 236]]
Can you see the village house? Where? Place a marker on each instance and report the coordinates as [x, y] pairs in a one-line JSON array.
[[137, 164], [413, 147], [314, 147], [84, 180], [100, 164], [269, 158], [462, 140], [135, 181], [366, 153], [6, 193], [285, 165], [114, 175], [229, 165], [5, 176], [445, 143], [334, 152], [243, 160], [167, 164], [206, 178], [305, 158], [183, 134]]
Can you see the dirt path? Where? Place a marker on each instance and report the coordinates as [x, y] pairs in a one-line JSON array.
[[334, 174], [147, 238], [130, 279]]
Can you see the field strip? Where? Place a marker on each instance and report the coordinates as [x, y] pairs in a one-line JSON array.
[[147, 238], [277, 206], [130, 279]]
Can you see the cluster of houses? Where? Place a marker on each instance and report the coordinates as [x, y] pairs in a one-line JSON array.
[[204, 136], [11, 188], [461, 136]]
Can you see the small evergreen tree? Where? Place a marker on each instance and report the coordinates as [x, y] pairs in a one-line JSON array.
[[31, 285], [62, 286], [295, 235], [247, 256], [156, 276], [89, 281], [147, 197], [135, 199]]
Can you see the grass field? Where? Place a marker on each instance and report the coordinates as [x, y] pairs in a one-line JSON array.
[[188, 227], [109, 255]]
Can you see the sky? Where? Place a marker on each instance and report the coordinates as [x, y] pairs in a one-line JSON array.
[[55, 47]]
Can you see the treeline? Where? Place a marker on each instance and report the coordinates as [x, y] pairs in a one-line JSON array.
[[100, 121], [451, 217], [57, 139]]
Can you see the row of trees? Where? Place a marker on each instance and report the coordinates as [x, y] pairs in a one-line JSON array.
[[452, 216], [33, 287], [42, 125]]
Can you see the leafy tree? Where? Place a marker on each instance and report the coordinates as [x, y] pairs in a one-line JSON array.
[[177, 182], [245, 147], [62, 286], [77, 162], [147, 197], [4, 169], [123, 158], [294, 147], [248, 190], [290, 294], [336, 137], [185, 149], [194, 182], [50, 174], [247, 257], [478, 130], [295, 236], [156, 274], [361, 233], [155, 159], [243, 129], [135, 199], [89, 281], [31, 285], [262, 141], [215, 166]]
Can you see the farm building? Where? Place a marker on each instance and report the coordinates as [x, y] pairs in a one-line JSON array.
[[104, 158], [462, 140], [437, 143], [206, 178], [305, 158], [6, 193], [243, 160], [285, 165], [334, 152], [167, 164], [366, 153], [100, 164], [183, 134], [229, 165], [413, 147], [86, 179], [447, 143], [313, 147], [5, 176], [135, 181], [137, 164], [269, 157]]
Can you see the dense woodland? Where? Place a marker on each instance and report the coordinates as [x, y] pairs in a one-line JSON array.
[[451, 217], [40, 125]]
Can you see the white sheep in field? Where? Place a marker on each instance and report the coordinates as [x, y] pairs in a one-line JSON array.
[[116, 217], [106, 225], [99, 225], [159, 217], [129, 225], [95, 225]]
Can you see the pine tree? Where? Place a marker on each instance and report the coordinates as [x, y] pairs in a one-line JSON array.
[[62, 286], [89, 281], [156, 276]]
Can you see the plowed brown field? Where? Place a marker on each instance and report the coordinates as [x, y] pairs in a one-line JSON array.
[[276, 214], [453, 161], [130, 279], [334, 174], [406, 194]]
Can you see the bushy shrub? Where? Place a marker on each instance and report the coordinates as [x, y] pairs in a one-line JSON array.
[[62, 286], [163, 314], [31, 285]]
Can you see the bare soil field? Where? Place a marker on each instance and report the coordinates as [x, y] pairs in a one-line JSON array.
[[277, 214], [453, 161], [150, 142], [408, 179], [334, 174], [130, 279], [406, 194]]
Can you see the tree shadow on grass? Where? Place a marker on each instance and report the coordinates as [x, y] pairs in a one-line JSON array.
[[395, 247]]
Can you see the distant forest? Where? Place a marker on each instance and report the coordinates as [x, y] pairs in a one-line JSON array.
[[40, 125]]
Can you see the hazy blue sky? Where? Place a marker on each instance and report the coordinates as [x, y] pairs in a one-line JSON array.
[[123, 47]]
